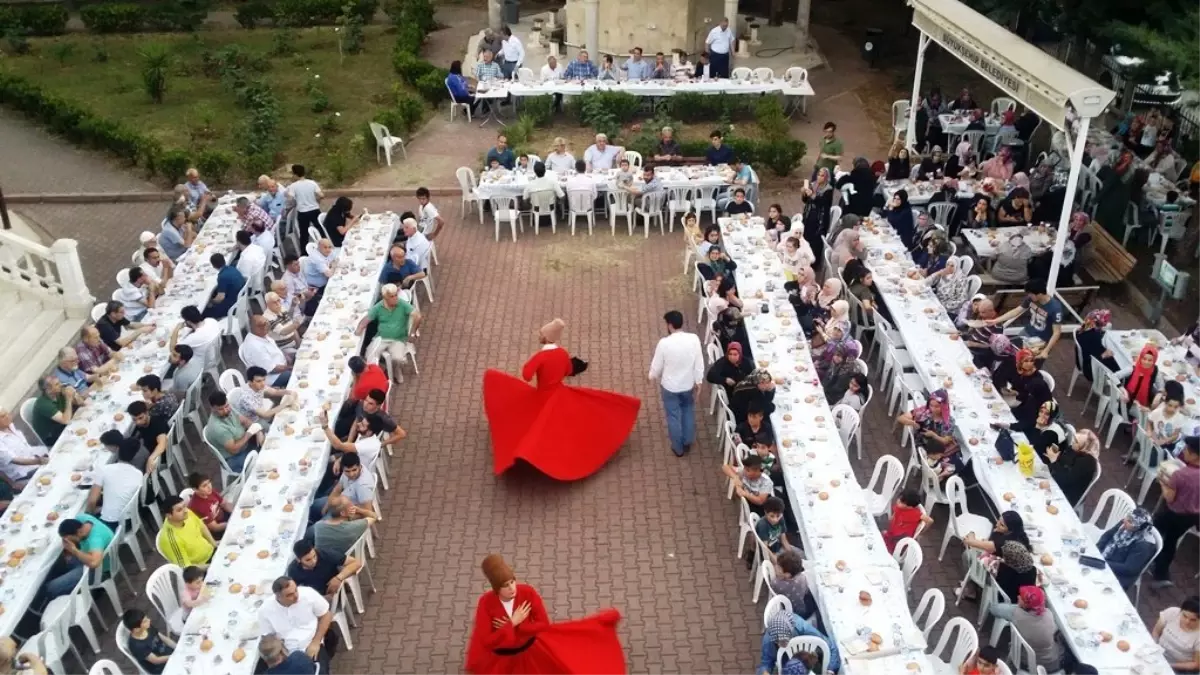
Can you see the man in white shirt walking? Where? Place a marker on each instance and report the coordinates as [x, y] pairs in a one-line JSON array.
[[678, 367], [512, 53], [719, 44], [305, 195]]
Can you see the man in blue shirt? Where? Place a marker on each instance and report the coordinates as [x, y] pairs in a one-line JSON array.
[[501, 153], [176, 236], [198, 194], [782, 626], [1045, 319], [399, 269], [581, 68], [229, 283], [638, 68], [273, 199], [281, 662], [719, 153]]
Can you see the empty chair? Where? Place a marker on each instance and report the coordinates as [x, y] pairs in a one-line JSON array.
[[961, 521], [635, 159], [620, 205], [909, 555], [930, 610], [764, 74], [1001, 104], [741, 73], [542, 205], [885, 482], [847, 422], [765, 577], [105, 667], [900, 112], [385, 142], [466, 183], [506, 211]]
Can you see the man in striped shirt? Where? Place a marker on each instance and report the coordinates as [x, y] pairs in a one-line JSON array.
[[488, 69], [581, 68]]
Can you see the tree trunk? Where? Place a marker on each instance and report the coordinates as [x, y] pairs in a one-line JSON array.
[[495, 17]]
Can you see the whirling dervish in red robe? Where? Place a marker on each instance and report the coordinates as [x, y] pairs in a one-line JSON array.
[[566, 432], [513, 634]]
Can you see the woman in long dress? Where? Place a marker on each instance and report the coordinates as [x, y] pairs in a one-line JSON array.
[[512, 633], [566, 432]]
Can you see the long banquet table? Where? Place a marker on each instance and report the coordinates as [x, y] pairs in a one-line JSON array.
[[844, 549], [658, 88], [272, 510], [58, 489], [512, 183], [943, 361]]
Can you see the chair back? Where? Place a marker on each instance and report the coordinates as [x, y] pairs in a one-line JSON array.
[[526, 75], [900, 110], [652, 203], [620, 201], [679, 195], [163, 589], [380, 133], [943, 212], [909, 555], [1000, 104], [27, 414], [956, 492], [138, 257], [635, 159], [466, 179], [231, 380], [542, 201], [975, 138], [966, 264], [1119, 504], [741, 73], [123, 645], [778, 603], [930, 610], [504, 208], [966, 642], [1173, 224], [805, 643], [764, 74], [846, 420], [1020, 654], [886, 477], [861, 367], [580, 201], [795, 75], [835, 215], [99, 311], [105, 667], [47, 647], [974, 283]]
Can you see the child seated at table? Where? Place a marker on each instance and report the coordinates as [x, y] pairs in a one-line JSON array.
[[907, 516], [1166, 423], [624, 175], [522, 165], [751, 482]]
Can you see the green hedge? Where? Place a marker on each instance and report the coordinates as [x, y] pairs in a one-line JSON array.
[[300, 13], [127, 17], [40, 19], [115, 17]]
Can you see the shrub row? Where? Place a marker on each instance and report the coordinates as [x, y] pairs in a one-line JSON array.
[[33, 19], [301, 13], [128, 17]]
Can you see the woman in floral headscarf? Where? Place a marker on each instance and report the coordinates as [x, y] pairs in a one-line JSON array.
[[1128, 546], [950, 285], [729, 327], [838, 361], [758, 387], [935, 429], [781, 627], [1090, 340], [834, 329], [1029, 616]]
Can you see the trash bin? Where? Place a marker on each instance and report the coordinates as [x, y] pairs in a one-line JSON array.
[[510, 12], [871, 46]]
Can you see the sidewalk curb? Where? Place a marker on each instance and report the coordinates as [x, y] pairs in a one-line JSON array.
[[166, 196]]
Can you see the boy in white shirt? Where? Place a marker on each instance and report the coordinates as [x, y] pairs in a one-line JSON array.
[[429, 220], [1166, 423]]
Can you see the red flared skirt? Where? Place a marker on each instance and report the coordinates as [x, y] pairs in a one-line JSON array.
[[587, 646], [566, 432]]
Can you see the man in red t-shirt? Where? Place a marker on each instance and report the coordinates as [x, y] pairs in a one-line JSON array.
[[366, 378]]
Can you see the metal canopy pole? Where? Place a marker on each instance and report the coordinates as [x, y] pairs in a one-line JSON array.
[[911, 137], [1064, 219]]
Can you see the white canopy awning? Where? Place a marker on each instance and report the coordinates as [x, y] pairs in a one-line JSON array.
[[1037, 80]]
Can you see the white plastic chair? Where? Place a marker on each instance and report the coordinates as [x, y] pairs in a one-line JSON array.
[[966, 644], [765, 576], [105, 667], [466, 183], [975, 138], [353, 584], [679, 200], [620, 205], [1097, 387], [1171, 225], [1150, 456], [123, 646], [163, 588], [71, 611], [764, 74], [885, 482], [227, 474], [847, 422], [943, 212], [385, 142], [704, 198], [930, 610], [230, 380], [581, 203], [1020, 654], [1000, 104], [635, 159], [778, 603], [47, 646], [455, 105], [805, 643], [909, 556], [506, 210], [962, 522], [795, 75], [741, 73], [99, 311], [1048, 378], [650, 208], [974, 283], [746, 524], [1119, 505], [900, 112], [1158, 547], [526, 75]]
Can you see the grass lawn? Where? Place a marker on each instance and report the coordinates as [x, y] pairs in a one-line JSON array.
[[198, 113]]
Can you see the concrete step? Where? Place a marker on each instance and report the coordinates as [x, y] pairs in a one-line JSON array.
[[30, 347]]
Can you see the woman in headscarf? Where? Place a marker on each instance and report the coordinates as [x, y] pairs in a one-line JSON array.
[[938, 255], [1020, 179], [339, 220], [730, 369], [846, 222], [863, 179], [1116, 191], [862, 286], [729, 327], [950, 285], [834, 328], [933, 165], [999, 167], [933, 425], [1128, 546], [1139, 386], [837, 361], [847, 247], [721, 295], [1090, 339], [718, 264], [1030, 618], [820, 304], [961, 163], [898, 167], [757, 387], [1012, 261], [818, 200], [900, 217], [1074, 467], [781, 627]]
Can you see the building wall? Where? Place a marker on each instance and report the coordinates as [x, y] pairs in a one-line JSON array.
[[656, 25]]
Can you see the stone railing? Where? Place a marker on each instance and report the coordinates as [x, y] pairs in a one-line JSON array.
[[53, 274]]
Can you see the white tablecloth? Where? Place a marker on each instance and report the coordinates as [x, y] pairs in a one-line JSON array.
[[503, 88], [954, 123], [986, 241], [272, 512], [513, 183], [825, 496], [78, 452], [920, 192], [945, 362], [1172, 363]]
